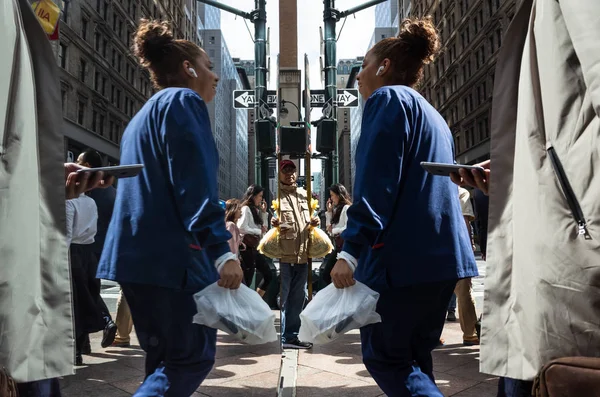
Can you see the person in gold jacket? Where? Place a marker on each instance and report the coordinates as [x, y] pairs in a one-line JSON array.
[[294, 223]]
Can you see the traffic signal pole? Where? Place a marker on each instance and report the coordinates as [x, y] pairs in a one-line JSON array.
[[259, 18], [331, 16]]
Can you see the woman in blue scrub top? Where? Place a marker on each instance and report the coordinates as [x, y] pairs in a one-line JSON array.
[[167, 238], [405, 236]]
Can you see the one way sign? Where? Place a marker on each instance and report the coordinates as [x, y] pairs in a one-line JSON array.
[[346, 98], [244, 99]]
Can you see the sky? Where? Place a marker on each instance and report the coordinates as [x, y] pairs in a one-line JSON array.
[[352, 43], [353, 40]]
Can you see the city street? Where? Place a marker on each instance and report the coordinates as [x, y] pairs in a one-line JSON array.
[[243, 370]]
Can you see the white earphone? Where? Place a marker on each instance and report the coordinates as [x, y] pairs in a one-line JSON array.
[[193, 72], [379, 70]]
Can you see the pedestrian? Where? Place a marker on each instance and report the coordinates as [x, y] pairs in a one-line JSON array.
[[36, 346], [82, 219], [336, 219], [542, 300], [294, 225], [104, 200], [253, 225], [167, 239], [405, 236], [467, 315], [481, 203], [233, 212]]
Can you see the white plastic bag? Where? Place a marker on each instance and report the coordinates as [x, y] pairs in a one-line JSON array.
[[239, 312], [333, 312]]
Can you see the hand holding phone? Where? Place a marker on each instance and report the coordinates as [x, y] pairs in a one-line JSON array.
[[119, 171]]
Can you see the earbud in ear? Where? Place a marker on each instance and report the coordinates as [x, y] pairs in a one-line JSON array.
[[193, 72], [379, 70]]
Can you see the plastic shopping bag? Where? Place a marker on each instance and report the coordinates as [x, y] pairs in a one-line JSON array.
[[319, 243], [239, 312], [270, 246], [333, 312]]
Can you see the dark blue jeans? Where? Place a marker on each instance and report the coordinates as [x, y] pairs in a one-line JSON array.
[[179, 354], [40, 388], [397, 351], [508, 387], [452, 304], [293, 296]]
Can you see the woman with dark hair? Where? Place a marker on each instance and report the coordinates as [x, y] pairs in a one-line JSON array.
[[252, 225], [233, 212], [167, 238], [405, 237], [336, 219]]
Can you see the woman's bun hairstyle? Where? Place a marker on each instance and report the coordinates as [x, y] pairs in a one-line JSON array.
[[152, 41], [421, 37]]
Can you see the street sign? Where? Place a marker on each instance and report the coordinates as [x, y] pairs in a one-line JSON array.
[[346, 98], [244, 99]]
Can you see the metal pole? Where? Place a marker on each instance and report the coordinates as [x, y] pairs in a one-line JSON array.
[[330, 18], [227, 8], [259, 18], [361, 7]]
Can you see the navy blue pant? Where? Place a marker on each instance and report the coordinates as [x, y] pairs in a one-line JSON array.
[[293, 297], [397, 351], [179, 354]]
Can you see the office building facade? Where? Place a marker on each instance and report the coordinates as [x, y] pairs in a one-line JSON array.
[[460, 82]]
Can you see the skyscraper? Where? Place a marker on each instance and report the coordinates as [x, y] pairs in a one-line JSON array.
[[460, 82]]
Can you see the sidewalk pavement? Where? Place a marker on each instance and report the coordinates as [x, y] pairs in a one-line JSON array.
[[243, 370]]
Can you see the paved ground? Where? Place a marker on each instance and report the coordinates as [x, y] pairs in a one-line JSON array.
[[242, 370]]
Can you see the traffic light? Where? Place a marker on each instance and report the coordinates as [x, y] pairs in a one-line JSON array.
[[266, 136], [293, 140], [326, 134]]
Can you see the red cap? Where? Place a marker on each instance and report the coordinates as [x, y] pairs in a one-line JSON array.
[[286, 163]]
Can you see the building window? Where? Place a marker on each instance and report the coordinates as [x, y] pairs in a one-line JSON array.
[[499, 37], [63, 98], [64, 15], [112, 93], [105, 13], [120, 30], [212, 40], [120, 63], [84, 28], [119, 99], [82, 69], [62, 56], [98, 41], [114, 57], [486, 128], [104, 48], [97, 81], [98, 6], [94, 119], [81, 111], [103, 86]]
